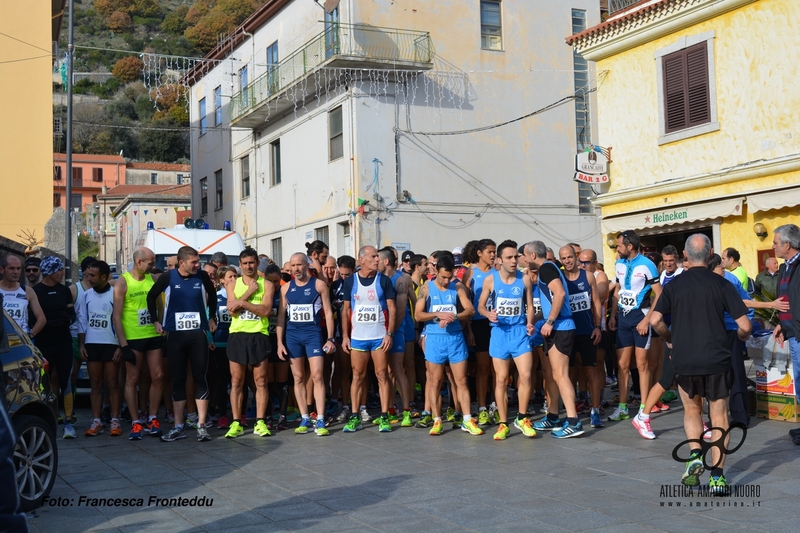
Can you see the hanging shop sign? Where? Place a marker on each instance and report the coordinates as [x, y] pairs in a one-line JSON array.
[[591, 165]]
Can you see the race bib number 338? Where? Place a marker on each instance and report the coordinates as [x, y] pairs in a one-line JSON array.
[[509, 306]]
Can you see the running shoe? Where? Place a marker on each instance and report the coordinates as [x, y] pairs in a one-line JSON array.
[[384, 426], [580, 405], [458, 419], [483, 418], [393, 418], [502, 432], [69, 431], [313, 416], [450, 414], [494, 414], [643, 427], [174, 434], [234, 430], [610, 381], [136, 432], [545, 424], [619, 414], [189, 423], [95, 429], [202, 434], [105, 415], [544, 408], [332, 408], [211, 419], [304, 427], [321, 430], [525, 426], [353, 425], [125, 415], [154, 428], [406, 423], [414, 411], [471, 427], [293, 415], [634, 401], [261, 429], [694, 469], [116, 429], [662, 406], [344, 416], [669, 396], [718, 486], [655, 409], [223, 422], [169, 418], [706, 432], [437, 428], [568, 431], [282, 424], [615, 399], [365, 418], [596, 418], [425, 421]]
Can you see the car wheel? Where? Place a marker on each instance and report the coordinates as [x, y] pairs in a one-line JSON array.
[[35, 460]]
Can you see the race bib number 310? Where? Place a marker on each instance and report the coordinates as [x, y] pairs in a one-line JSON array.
[[301, 313], [187, 321]]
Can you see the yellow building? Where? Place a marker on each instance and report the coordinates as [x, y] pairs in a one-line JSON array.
[[700, 100], [27, 32]]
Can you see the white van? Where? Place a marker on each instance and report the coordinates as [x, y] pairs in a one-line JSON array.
[[165, 242]]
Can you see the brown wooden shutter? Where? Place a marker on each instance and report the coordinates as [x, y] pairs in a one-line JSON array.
[[686, 93]]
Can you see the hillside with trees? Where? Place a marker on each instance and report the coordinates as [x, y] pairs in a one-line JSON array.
[[114, 110]]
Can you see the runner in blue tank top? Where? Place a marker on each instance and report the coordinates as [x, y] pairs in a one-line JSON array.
[[585, 305], [443, 303], [478, 331], [558, 332], [304, 301], [401, 282], [512, 322]]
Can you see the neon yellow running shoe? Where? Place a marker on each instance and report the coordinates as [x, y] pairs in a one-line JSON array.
[[502, 432], [450, 415], [261, 429], [406, 423], [437, 428], [234, 430], [321, 430], [304, 427], [471, 427], [483, 418], [525, 426]]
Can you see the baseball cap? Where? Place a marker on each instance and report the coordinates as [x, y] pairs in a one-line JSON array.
[[407, 255], [33, 261], [458, 256]]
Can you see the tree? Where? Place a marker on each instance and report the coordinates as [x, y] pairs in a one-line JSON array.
[[166, 145], [104, 7], [120, 22], [198, 10], [204, 34], [146, 8], [128, 69], [175, 22], [144, 108]]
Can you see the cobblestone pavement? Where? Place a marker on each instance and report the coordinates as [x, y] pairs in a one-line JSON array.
[[608, 480]]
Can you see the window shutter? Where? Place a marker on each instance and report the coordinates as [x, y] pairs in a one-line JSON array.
[[687, 100], [675, 92], [697, 76]]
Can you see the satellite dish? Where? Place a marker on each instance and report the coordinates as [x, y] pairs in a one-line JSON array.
[[330, 5], [199, 223], [188, 223]]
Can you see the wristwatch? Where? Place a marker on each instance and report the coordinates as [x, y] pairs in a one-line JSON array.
[[390, 333], [331, 340], [549, 322]]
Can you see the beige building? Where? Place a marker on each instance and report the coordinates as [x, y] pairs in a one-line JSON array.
[[125, 211], [158, 174], [27, 33]]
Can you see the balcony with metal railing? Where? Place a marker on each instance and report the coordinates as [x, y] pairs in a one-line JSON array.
[[345, 46], [619, 5]]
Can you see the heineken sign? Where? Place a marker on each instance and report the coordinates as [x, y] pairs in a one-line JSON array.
[[591, 165], [666, 217]]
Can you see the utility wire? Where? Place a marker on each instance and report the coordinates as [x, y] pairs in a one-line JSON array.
[[26, 42]]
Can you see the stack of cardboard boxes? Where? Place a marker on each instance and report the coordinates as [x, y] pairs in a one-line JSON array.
[[775, 387]]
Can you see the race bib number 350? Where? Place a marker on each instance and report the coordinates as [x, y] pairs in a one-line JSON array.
[[144, 317], [187, 321], [509, 306], [98, 321], [367, 314]]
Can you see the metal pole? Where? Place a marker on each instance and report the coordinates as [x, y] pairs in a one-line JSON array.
[[70, 52]]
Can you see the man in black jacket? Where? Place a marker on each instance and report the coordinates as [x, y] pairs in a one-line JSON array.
[[786, 243]]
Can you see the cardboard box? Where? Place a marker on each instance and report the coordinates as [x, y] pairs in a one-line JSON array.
[[771, 380], [777, 407]]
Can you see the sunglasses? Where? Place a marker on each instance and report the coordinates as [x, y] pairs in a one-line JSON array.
[[586, 263], [31, 270]]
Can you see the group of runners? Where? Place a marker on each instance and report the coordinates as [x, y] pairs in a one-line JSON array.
[[202, 338]]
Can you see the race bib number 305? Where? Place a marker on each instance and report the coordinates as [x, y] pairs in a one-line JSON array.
[[509, 306], [367, 314], [301, 313], [579, 302], [187, 321]]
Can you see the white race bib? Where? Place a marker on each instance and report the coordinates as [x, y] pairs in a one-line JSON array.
[[301, 313], [99, 321], [248, 316], [509, 306], [187, 321], [579, 302], [14, 309], [367, 314], [446, 308], [144, 317], [224, 315], [537, 306], [627, 299]]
